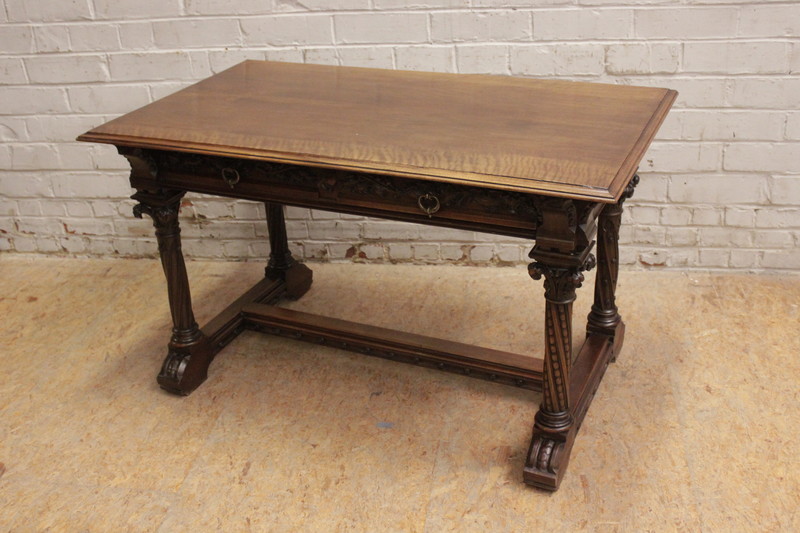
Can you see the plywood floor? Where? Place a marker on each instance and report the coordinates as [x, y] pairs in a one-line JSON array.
[[696, 427]]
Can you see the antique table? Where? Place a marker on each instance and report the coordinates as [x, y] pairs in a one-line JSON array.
[[549, 161]]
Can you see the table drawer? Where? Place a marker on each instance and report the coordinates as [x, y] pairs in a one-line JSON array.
[[402, 198]]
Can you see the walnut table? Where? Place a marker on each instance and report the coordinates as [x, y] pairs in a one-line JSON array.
[[549, 161]]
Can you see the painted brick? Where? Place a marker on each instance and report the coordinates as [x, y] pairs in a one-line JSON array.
[[318, 214], [640, 58], [93, 37], [481, 253], [419, 4], [721, 125], [426, 252], [34, 157], [649, 234], [773, 239], [714, 257], [788, 259], [509, 253], [769, 21], [108, 98], [87, 185], [740, 217], [651, 188], [707, 216], [321, 5], [333, 229], [400, 251], [717, 190], [51, 38], [67, 69], [736, 58], [645, 214], [553, 60], [778, 218], [682, 157], [223, 7], [763, 157], [12, 72], [744, 258], [722, 174], [785, 190], [724, 237], [321, 56], [483, 59], [681, 237], [291, 55], [582, 24], [287, 30], [136, 9], [425, 58], [136, 36], [370, 57], [519, 3], [765, 93], [196, 33], [793, 126], [675, 216], [389, 230], [693, 92], [75, 156], [375, 28], [456, 26], [47, 10], [676, 23], [372, 251], [150, 66], [452, 252]]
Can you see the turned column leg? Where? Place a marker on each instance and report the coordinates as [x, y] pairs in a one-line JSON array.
[[186, 364], [282, 265], [604, 318], [553, 429]]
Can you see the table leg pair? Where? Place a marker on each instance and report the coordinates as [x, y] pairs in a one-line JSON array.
[[568, 381]]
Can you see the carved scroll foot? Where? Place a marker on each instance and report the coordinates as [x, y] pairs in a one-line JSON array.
[[186, 369], [547, 459]]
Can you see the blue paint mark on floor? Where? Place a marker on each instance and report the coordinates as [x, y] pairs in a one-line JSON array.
[[385, 425]]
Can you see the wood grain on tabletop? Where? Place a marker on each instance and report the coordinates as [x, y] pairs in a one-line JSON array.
[[569, 138]]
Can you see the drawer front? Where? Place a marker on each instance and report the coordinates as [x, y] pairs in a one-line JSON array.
[[414, 200]]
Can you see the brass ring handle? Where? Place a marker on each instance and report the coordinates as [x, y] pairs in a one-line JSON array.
[[429, 204], [231, 176]]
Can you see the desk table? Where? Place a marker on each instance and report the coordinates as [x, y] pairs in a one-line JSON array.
[[548, 161]]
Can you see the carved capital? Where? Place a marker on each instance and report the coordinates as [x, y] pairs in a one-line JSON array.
[[560, 282], [162, 215]]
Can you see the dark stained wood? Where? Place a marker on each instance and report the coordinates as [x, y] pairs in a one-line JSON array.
[[466, 207], [572, 139], [604, 317], [549, 452], [544, 160], [486, 363]]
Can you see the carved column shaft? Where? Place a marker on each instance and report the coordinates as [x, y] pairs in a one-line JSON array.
[[560, 285], [604, 316], [280, 258], [163, 209]]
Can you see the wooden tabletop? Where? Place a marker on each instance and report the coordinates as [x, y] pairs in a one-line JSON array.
[[580, 140]]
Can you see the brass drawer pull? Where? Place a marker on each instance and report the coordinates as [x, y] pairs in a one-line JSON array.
[[428, 203], [231, 176]]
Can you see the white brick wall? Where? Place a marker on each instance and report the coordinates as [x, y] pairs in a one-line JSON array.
[[720, 186]]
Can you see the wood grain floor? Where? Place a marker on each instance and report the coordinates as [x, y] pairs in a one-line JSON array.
[[695, 428]]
